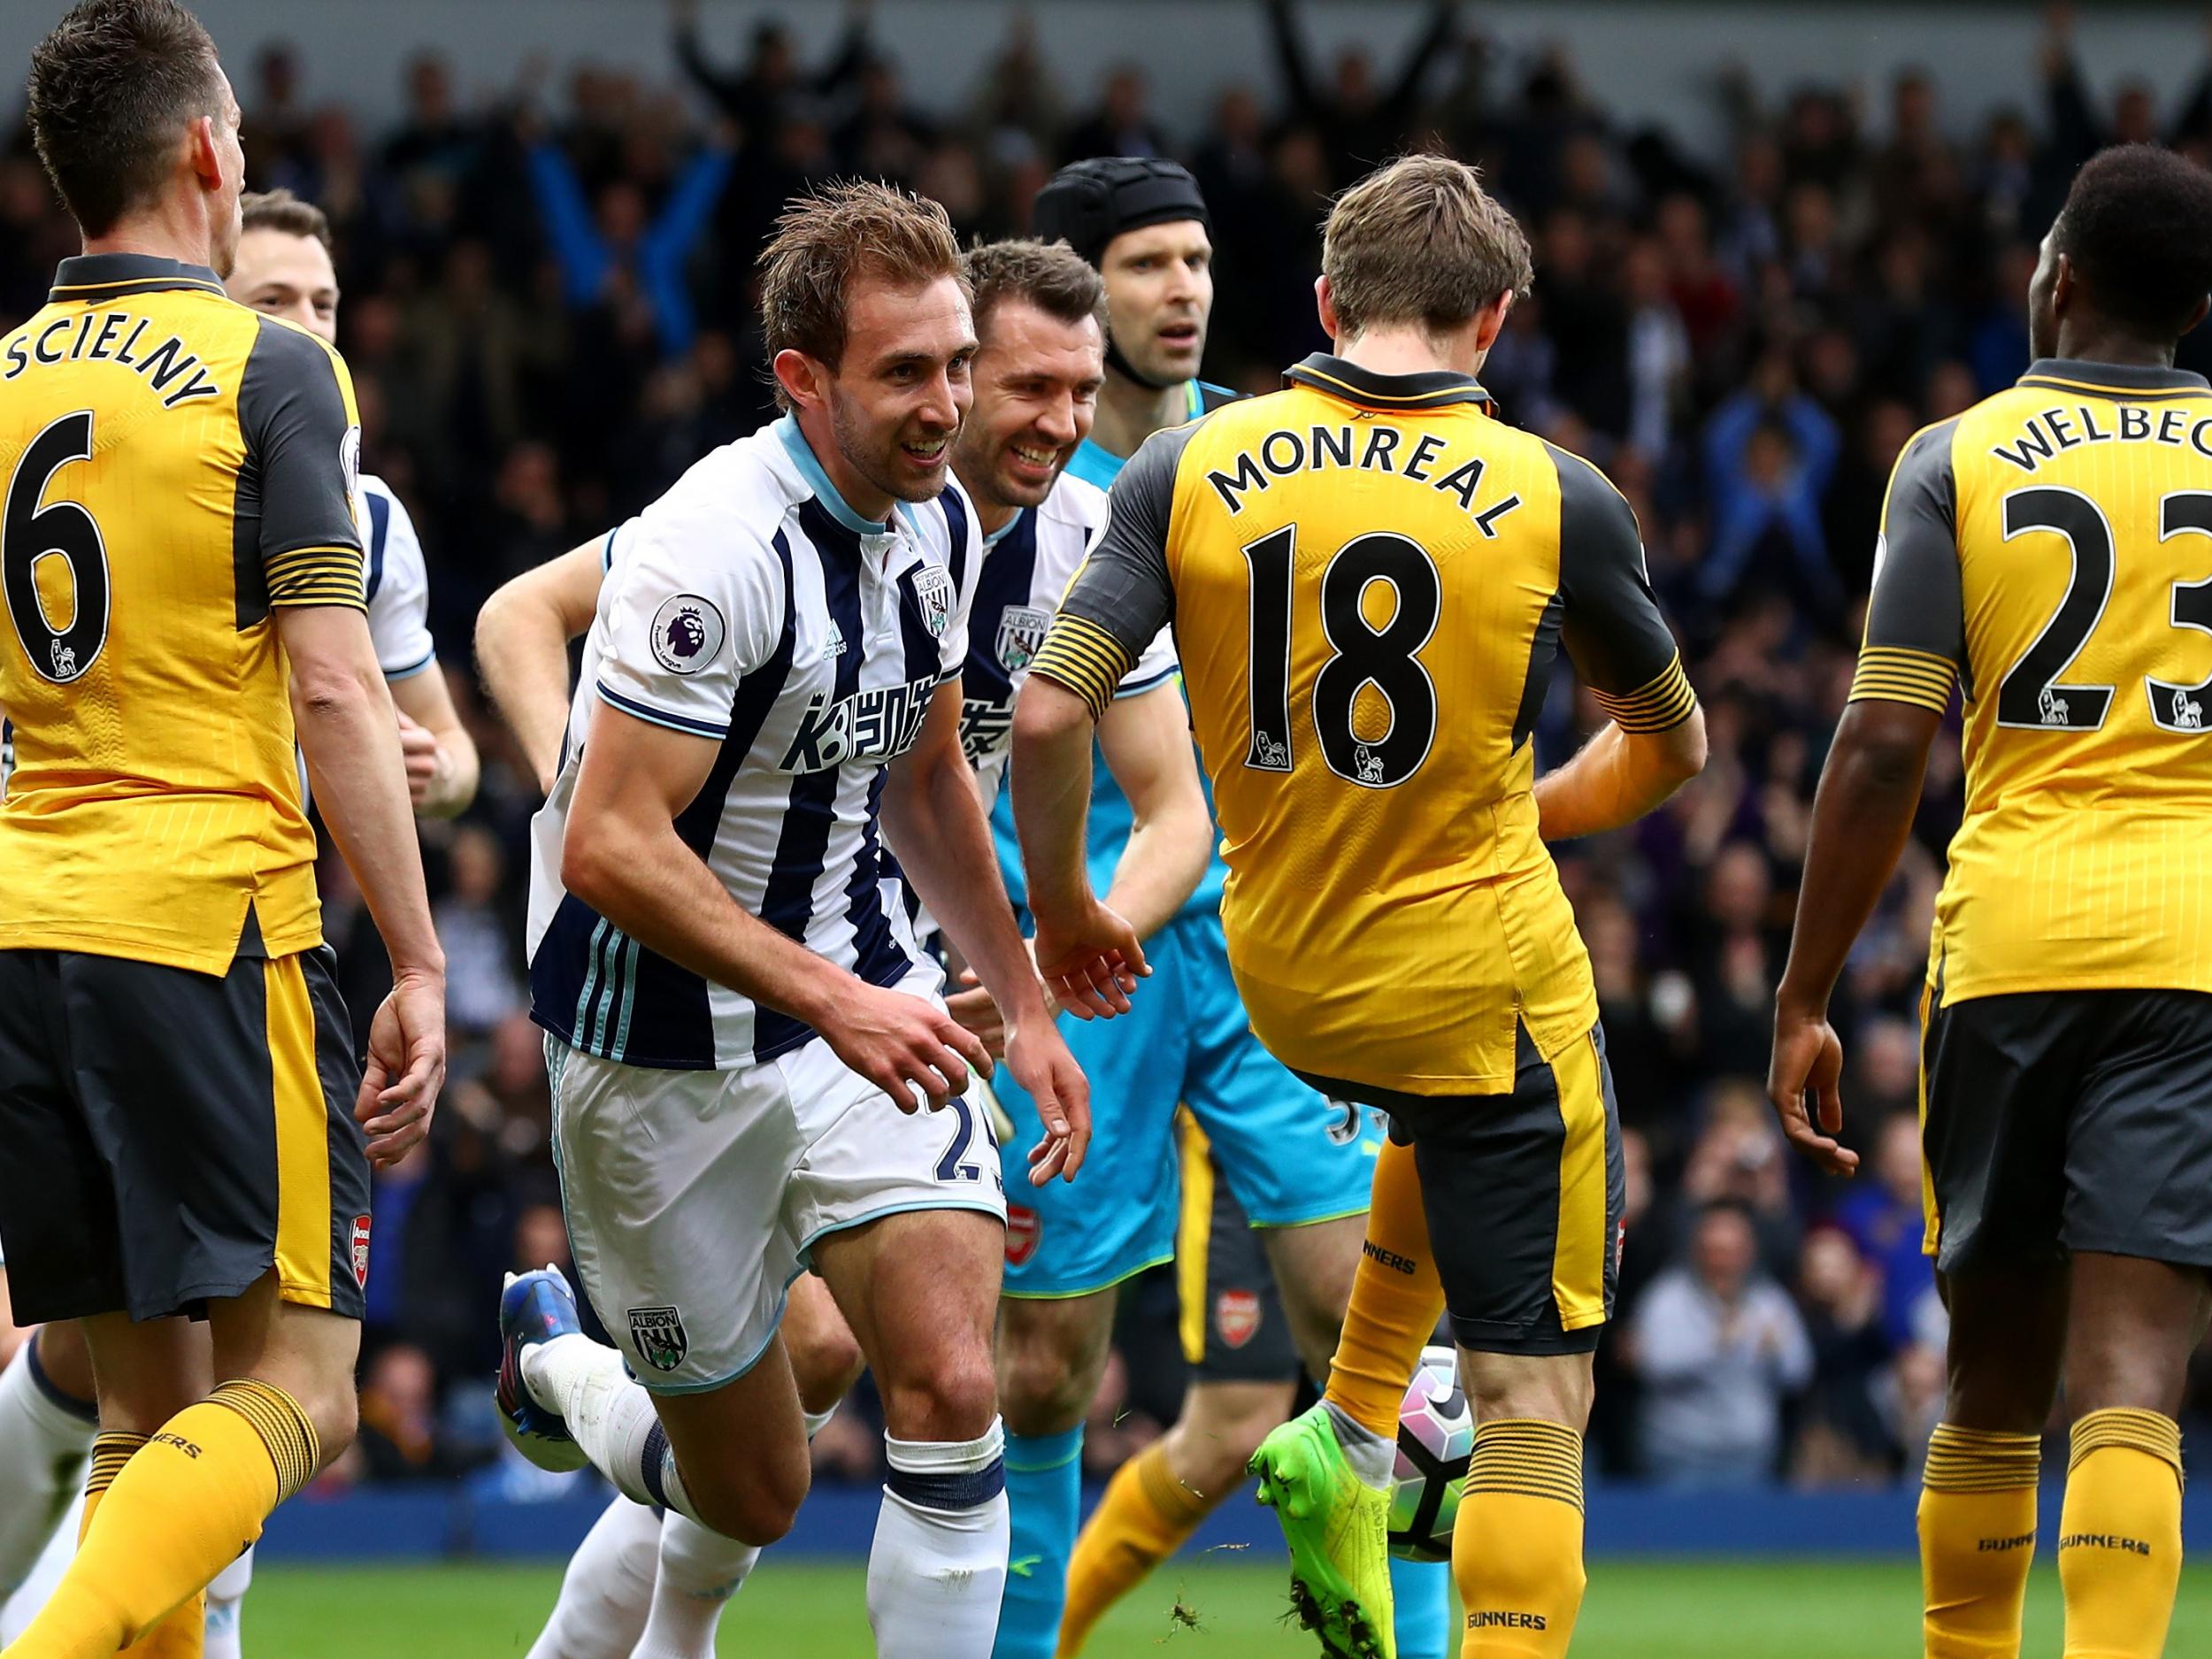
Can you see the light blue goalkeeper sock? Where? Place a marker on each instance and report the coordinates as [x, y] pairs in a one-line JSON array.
[[1044, 1491], [1423, 1593]]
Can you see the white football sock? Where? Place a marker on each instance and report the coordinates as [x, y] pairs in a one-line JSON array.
[[226, 1599], [938, 1569], [610, 1418], [700, 1570], [43, 1444], [1373, 1459], [30, 1596], [604, 1592]]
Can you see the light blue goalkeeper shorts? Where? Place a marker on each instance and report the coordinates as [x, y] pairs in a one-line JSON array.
[[1290, 1155]]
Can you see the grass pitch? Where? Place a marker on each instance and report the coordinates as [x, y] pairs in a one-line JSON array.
[[813, 1609]]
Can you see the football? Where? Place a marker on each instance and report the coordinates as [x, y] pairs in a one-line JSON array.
[[1436, 1438]]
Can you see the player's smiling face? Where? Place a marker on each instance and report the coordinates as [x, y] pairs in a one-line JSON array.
[[898, 396], [288, 276], [1036, 392], [1159, 293]]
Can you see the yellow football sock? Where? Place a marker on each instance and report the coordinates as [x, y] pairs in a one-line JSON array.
[[1517, 1548], [2119, 1536], [109, 1452], [183, 1634], [1396, 1301], [1977, 1541], [176, 1515], [180, 1633], [1145, 1515]]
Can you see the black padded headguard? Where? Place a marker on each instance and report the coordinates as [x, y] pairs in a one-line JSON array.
[[1087, 204]]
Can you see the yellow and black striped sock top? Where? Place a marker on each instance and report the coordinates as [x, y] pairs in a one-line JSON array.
[[1530, 1457], [1980, 1460]]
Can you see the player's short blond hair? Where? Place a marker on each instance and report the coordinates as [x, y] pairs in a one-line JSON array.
[[828, 240], [1420, 243]]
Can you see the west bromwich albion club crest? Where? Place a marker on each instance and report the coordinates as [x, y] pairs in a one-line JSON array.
[[932, 591], [1021, 633], [658, 1335]]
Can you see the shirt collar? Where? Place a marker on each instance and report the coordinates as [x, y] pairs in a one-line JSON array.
[[1436, 388], [802, 454], [106, 276], [2075, 375]]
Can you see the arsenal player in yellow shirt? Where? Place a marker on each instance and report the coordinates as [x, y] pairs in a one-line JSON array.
[[183, 586], [2050, 550], [1369, 580]]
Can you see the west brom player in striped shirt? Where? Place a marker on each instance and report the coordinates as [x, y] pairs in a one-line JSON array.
[[1037, 313], [774, 675], [284, 270]]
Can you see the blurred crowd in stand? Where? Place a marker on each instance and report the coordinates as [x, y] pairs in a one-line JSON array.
[[548, 314]]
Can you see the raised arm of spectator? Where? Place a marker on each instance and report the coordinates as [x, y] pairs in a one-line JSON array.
[[1818, 442], [2076, 132], [666, 249], [581, 252], [1290, 56], [851, 56], [2193, 122], [1404, 102], [1739, 513], [1727, 435], [726, 89]]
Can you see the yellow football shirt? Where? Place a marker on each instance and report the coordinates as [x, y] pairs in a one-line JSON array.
[[2051, 547], [176, 466], [1369, 579]]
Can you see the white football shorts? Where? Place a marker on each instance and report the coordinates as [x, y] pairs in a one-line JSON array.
[[694, 1198]]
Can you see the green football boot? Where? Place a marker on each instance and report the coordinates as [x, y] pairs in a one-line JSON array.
[[1338, 1528]]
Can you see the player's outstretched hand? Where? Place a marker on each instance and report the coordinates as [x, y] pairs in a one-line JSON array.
[[406, 1068], [1091, 962], [1038, 1057], [978, 1011], [1808, 1059], [902, 1043], [418, 747]]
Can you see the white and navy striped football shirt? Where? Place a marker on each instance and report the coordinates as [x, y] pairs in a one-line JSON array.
[[398, 583], [1027, 567], [750, 605]]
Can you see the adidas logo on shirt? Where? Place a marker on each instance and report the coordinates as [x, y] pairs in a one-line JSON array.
[[833, 646]]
